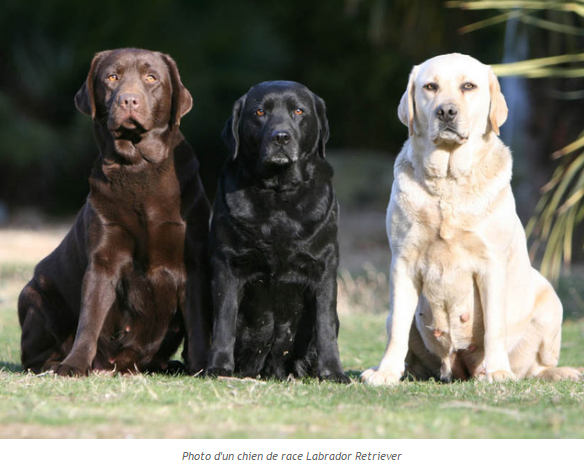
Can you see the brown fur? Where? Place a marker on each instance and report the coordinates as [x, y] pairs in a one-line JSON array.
[[130, 279]]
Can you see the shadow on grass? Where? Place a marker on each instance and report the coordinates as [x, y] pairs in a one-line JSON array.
[[571, 292], [353, 375], [10, 366]]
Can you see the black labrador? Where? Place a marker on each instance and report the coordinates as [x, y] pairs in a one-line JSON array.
[[273, 240], [131, 279]]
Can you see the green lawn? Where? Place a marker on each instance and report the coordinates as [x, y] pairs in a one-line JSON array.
[[183, 407]]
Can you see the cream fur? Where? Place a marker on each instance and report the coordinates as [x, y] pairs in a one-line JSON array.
[[460, 269]]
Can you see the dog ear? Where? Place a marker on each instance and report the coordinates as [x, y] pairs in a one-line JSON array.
[[498, 111], [182, 101], [230, 132], [85, 97], [323, 125], [407, 107]]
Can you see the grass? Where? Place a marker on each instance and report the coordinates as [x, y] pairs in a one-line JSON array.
[[185, 407]]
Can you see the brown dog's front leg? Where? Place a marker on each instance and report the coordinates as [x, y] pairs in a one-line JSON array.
[[197, 312], [98, 295]]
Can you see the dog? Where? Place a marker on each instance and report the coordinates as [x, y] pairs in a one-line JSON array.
[[273, 241], [131, 278], [465, 300]]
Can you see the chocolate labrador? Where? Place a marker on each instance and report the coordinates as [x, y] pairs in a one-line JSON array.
[[274, 251], [130, 280]]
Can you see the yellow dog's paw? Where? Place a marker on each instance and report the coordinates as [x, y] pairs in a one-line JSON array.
[[554, 374], [500, 376], [376, 377]]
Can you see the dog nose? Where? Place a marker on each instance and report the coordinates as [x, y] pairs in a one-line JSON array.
[[282, 138], [129, 101], [447, 112]]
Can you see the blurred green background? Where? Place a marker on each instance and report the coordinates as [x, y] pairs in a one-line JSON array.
[[356, 54]]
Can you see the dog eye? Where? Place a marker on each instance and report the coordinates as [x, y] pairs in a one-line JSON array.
[[298, 111], [431, 87], [112, 77], [260, 112], [151, 78], [468, 86]]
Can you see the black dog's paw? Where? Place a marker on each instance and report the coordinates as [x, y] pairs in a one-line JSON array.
[[215, 372], [337, 377], [173, 368], [66, 370], [196, 369]]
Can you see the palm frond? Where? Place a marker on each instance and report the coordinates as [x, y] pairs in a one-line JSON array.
[[538, 67], [574, 146], [574, 7], [502, 18], [551, 25]]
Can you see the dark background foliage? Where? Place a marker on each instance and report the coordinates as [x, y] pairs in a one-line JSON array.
[[356, 54]]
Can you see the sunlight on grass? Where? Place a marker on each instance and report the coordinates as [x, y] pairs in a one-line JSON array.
[[185, 407]]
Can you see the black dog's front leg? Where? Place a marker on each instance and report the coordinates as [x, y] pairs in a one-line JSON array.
[[327, 328], [226, 290]]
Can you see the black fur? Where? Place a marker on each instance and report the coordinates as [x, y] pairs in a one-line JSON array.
[[274, 251]]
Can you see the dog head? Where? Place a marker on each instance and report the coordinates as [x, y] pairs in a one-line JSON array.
[[451, 98], [132, 92], [276, 124]]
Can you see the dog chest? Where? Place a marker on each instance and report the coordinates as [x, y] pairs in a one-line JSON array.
[[449, 303], [447, 269], [144, 312], [144, 315], [441, 239], [274, 327], [267, 306], [278, 237], [438, 238]]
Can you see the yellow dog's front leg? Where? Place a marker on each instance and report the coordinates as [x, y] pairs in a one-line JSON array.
[[404, 296], [492, 286]]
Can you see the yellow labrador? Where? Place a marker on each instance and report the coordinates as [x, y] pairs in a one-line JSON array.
[[460, 268]]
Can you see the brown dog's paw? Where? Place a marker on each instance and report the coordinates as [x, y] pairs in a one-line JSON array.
[[65, 370]]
